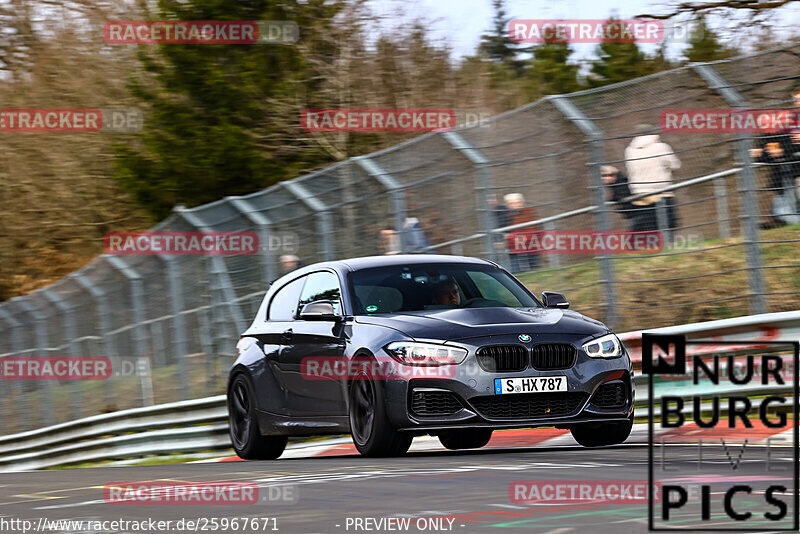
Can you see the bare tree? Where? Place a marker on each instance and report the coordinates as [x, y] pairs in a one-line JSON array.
[[755, 8]]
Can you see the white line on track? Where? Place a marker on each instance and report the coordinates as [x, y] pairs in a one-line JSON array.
[[69, 505]]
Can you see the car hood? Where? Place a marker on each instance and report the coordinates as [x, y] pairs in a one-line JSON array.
[[450, 325]]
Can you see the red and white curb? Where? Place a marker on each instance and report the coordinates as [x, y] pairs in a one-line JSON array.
[[546, 437]]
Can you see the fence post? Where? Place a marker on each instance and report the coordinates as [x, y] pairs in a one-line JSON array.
[[217, 272], [263, 224], [396, 195], [104, 326], [747, 180], [222, 295], [483, 187], [139, 335], [553, 260], [723, 214], [40, 346], [595, 136], [69, 336], [19, 410], [204, 319], [179, 340], [322, 214]]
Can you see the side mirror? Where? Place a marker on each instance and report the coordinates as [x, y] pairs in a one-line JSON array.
[[319, 310], [554, 300]]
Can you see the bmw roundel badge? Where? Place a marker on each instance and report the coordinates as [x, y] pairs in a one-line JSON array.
[[524, 338]]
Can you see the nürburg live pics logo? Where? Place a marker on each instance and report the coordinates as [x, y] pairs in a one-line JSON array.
[[722, 434]]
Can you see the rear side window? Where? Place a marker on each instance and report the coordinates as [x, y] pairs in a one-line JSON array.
[[283, 306], [323, 285]]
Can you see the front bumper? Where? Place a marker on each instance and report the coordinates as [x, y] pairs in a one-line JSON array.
[[465, 398]]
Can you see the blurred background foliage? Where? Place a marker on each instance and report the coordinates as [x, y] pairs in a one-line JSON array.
[[224, 119]]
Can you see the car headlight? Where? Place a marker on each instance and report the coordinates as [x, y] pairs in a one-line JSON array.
[[608, 346], [415, 353]]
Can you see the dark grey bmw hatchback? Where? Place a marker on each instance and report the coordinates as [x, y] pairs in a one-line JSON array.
[[389, 347]]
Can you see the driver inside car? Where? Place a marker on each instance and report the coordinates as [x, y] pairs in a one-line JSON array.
[[446, 293]]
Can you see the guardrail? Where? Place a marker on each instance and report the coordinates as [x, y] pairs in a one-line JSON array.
[[201, 424], [186, 426]]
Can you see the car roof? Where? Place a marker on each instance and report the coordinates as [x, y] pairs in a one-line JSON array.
[[368, 262]]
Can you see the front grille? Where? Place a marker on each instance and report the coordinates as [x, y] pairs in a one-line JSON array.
[[553, 356], [434, 403], [503, 358], [610, 395], [528, 405]]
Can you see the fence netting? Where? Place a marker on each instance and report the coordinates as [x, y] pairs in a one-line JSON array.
[[170, 324]]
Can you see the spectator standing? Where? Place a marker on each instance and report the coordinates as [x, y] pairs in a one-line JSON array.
[[650, 163], [517, 213], [499, 214], [415, 235], [794, 136], [779, 151]]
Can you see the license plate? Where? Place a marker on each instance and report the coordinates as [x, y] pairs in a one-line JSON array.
[[530, 384]]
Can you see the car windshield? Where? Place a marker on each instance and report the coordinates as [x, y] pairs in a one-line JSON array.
[[434, 286]]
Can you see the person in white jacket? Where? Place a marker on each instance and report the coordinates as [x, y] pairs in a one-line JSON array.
[[650, 163]]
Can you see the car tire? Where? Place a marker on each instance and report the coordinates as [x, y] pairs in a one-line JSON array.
[[465, 439], [372, 432], [246, 438], [602, 434]]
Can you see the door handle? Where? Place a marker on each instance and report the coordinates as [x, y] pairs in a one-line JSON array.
[[287, 334]]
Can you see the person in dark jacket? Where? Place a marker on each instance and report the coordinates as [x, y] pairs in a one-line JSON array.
[[777, 151], [794, 157], [617, 188], [499, 215], [517, 213]]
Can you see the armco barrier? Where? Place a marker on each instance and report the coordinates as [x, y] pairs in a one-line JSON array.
[[782, 326], [186, 426], [201, 424]]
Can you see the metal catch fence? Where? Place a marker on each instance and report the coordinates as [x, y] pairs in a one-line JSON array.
[[170, 323]]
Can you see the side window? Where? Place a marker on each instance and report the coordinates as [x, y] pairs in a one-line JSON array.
[[323, 285], [284, 304]]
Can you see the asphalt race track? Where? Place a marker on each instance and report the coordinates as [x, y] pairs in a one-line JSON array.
[[464, 491]]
